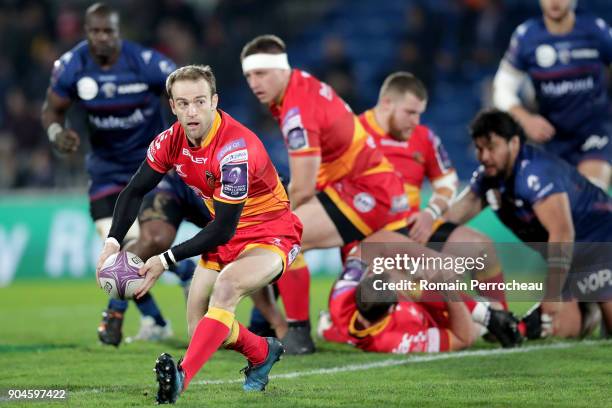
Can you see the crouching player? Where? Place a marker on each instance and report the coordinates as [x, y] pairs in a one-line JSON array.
[[364, 313], [252, 239], [384, 321]]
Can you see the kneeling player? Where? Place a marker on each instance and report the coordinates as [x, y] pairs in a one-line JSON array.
[[252, 239]]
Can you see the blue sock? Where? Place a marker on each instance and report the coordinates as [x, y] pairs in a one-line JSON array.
[[118, 305], [184, 270], [258, 321], [148, 307]]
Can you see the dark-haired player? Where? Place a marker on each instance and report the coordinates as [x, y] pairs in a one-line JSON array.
[[541, 198]]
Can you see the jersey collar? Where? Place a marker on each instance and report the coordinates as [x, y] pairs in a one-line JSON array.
[[373, 123], [370, 331], [213, 130]]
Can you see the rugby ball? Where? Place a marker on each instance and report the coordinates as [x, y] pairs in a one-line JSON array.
[[119, 275]]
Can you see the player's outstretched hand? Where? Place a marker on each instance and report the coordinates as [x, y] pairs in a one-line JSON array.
[[538, 128], [109, 248], [421, 225], [151, 270], [67, 141]]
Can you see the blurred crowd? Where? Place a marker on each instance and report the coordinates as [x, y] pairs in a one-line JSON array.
[[438, 40]]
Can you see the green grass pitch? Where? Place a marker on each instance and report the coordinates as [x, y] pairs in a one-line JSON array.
[[48, 340]]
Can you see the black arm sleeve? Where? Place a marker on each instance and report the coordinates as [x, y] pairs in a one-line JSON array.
[[217, 232], [128, 203]]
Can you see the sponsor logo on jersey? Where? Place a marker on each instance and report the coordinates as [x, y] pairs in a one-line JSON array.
[[234, 180], [552, 88], [233, 145], [293, 130], [87, 88], [237, 156], [196, 160], [595, 142], [546, 55], [595, 281], [364, 202], [137, 87], [114, 122]]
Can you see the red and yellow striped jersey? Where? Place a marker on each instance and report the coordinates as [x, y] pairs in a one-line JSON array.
[[231, 165]]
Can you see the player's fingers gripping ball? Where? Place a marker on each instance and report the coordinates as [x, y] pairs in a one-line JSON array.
[[150, 271], [119, 276]]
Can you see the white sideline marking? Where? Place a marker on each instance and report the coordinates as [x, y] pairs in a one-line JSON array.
[[416, 359], [391, 363]]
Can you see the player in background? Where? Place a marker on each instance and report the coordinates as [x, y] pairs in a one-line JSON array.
[[541, 198], [119, 84], [566, 55], [253, 238], [342, 188], [417, 153]]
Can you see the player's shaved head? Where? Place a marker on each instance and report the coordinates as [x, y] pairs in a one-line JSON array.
[[101, 10], [192, 73], [374, 304], [495, 121], [263, 44], [401, 82]]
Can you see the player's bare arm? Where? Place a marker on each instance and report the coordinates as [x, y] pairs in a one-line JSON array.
[[555, 216], [304, 172], [466, 207], [461, 324], [52, 117], [445, 188]]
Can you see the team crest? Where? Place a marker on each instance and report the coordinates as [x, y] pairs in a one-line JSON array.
[[210, 180]]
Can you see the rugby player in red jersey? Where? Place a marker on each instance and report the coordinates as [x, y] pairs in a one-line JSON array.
[[418, 153], [253, 238], [342, 187]]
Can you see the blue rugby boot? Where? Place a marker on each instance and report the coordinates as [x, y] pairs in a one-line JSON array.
[[256, 377]]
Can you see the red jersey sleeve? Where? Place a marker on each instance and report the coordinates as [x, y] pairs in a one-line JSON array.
[[301, 131], [437, 161], [159, 154]]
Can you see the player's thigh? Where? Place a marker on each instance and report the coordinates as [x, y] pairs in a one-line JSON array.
[[252, 270], [319, 229], [465, 241], [599, 172], [200, 289]]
